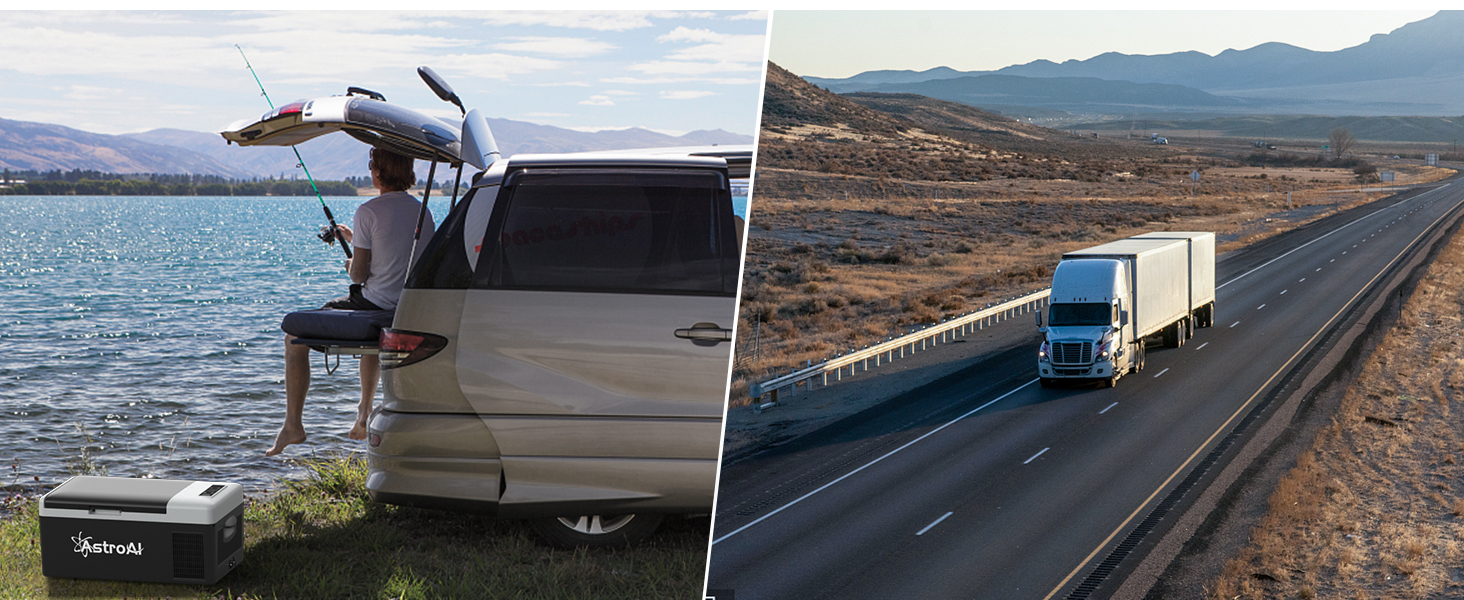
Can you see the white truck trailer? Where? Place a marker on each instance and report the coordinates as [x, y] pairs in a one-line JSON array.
[[1106, 300]]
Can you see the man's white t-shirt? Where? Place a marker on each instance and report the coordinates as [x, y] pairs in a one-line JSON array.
[[384, 225]]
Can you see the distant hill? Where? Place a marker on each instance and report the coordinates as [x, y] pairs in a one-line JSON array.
[[1417, 69], [789, 101], [1371, 129], [43, 147], [812, 137]]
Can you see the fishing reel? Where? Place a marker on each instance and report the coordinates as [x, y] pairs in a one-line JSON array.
[[327, 234]]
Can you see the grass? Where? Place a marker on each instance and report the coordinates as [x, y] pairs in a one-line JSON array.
[[323, 537]]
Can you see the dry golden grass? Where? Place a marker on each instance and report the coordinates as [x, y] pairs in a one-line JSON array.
[[1376, 508]]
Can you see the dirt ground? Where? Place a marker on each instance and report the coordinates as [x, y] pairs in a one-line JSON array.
[[1376, 508]]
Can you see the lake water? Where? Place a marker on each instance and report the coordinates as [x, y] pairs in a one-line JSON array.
[[142, 334]]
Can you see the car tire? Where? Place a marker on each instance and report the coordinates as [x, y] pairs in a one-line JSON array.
[[597, 531]]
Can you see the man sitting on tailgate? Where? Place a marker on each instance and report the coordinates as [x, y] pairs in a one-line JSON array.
[[383, 237]]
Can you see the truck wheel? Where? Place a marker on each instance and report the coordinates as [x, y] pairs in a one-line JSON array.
[[1110, 382], [1138, 356], [1189, 328], [597, 531]]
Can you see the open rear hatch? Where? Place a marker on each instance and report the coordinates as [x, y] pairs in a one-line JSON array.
[[368, 118]]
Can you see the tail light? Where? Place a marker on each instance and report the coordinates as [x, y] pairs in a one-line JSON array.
[[401, 348]]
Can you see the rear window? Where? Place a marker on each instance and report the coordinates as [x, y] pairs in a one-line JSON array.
[[622, 231]]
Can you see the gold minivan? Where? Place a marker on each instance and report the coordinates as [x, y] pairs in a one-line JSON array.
[[561, 349]]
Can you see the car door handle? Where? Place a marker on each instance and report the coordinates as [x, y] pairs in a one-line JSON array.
[[705, 334]]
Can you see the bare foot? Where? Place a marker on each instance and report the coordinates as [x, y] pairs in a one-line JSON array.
[[359, 430], [288, 435]]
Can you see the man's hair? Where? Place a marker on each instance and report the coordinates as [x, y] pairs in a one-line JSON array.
[[393, 170]]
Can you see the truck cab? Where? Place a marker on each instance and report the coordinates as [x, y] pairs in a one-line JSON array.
[[1087, 326]]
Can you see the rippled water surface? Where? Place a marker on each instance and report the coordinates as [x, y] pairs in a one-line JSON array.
[[142, 333]]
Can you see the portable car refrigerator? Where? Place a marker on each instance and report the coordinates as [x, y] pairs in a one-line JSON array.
[[153, 530]]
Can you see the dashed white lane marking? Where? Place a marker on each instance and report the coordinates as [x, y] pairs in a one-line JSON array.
[[1260, 307], [937, 522], [1106, 409], [1302, 279], [1333, 260], [1034, 456], [1203, 345], [1319, 268], [1232, 325], [1283, 293], [1156, 375]]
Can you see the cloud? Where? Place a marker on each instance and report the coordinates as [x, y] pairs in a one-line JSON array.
[[756, 15], [685, 94], [669, 80], [597, 101], [620, 93], [710, 52], [88, 92], [555, 46], [594, 20]]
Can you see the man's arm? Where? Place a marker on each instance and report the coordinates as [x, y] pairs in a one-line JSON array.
[[359, 268]]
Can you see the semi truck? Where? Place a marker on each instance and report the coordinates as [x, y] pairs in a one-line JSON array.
[[1107, 301]]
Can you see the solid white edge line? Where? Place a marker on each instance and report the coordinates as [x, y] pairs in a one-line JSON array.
[[1106, 409], [1166, 370], [937, 522], [1039, 453], [871, 463]]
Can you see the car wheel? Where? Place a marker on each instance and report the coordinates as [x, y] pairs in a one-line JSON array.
[[597, 531]]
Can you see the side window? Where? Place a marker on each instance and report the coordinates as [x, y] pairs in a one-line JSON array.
[[618, 231], [448, 259]]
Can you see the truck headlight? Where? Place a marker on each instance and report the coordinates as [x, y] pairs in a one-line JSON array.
[[1042, 354], [1102, 353]]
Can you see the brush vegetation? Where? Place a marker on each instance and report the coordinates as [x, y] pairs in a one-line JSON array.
[[1375, 509], [323, 537]]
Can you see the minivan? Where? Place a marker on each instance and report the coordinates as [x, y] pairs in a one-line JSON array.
[[562, 347]]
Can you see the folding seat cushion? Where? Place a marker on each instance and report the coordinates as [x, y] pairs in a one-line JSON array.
[[336, 324]]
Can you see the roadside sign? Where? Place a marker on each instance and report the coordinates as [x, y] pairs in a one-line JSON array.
[[1195, 175], [1385, 176]]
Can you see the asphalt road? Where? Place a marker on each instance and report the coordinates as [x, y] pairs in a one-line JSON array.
[[990, 486]]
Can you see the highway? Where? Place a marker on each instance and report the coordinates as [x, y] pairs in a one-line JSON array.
[[990, 486]]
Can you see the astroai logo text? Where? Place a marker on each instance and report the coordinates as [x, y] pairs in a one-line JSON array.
[[86, 547]]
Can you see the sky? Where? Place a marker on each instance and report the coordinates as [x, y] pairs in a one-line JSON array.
[[844, 43], [132, 71]]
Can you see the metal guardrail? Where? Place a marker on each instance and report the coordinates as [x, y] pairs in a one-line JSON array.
[[939, 333]]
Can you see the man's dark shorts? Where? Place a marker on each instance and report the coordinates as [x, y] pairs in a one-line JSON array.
[[353, 301]]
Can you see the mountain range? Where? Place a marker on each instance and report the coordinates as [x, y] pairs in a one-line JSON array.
[[44, 147], [1417, 69]]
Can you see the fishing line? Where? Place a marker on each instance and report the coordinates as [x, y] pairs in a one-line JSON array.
[[328, 235]]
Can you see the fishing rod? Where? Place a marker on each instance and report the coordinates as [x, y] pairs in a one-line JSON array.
[[329, 235]]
